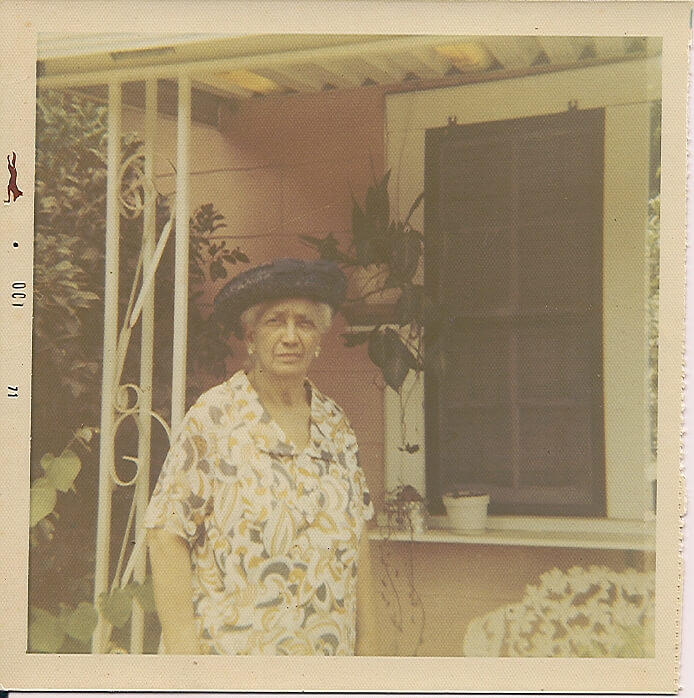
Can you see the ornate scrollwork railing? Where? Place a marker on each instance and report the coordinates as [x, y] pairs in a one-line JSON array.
[[136, 192], [131, 409], [130, 192]]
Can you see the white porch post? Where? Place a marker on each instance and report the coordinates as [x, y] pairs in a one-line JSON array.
[[180, 337], [146, 357], [106, 450]]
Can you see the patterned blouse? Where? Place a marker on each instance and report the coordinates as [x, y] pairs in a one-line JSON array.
[[273, 533]]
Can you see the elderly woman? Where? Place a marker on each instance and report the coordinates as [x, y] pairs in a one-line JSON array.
[[256, 524]]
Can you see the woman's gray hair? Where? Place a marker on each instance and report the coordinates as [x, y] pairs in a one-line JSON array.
[[250, 316]]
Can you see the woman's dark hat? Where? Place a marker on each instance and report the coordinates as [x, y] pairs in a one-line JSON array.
[[320, 280]]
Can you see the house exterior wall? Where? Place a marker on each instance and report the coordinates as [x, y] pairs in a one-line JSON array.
[[284, 166]]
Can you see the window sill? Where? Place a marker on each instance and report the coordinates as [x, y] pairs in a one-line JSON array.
[[601, 534]]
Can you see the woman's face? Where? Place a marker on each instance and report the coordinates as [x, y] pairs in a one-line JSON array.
[[286, 336]]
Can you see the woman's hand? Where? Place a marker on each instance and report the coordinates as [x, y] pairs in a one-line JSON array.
[[173, 592]]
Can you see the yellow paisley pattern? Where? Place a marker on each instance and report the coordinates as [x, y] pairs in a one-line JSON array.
[[273, 532]]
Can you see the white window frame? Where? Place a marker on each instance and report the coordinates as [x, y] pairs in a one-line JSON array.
[[625, 90]]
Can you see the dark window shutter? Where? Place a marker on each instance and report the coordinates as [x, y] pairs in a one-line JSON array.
[[513, 226]]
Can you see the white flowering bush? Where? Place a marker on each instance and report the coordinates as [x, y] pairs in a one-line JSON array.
[[580, 613]]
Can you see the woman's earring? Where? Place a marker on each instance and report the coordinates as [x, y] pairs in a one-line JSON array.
[[317, 352], [251, 349]]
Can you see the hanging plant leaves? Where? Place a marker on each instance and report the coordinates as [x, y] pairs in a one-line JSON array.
[[397, 360], [326, 247], [404, 308], [388, 351], [377, 347], [360, 228], [395, 371], [116, 607], [42, 499], [46, 633], [415, 205], [378, 206], [371, 251], [81, 622], [381, 249], [405, 256], [63, 470]]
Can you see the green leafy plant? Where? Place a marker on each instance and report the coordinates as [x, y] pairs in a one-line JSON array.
[[71, 628], [116, 605], [210, 257], [59, 475], [49, 632]]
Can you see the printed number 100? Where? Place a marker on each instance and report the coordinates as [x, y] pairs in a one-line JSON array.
[[18, 294]]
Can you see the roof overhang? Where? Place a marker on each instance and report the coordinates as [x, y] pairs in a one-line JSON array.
[[240, 67]]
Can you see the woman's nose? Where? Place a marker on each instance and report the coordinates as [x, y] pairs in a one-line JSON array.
[[290, 331]]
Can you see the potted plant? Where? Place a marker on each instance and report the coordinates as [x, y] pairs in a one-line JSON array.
[[405, 510], [466, 509], [382, 260]]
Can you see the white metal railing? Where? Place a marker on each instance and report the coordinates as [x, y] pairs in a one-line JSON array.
[[180, 336], [115, 400], [141, 495], [106, 445]]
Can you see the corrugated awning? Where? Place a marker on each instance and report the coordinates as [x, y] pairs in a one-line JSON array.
[[241, 67]]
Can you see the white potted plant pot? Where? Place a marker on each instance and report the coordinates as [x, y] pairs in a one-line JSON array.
[[466, 511]]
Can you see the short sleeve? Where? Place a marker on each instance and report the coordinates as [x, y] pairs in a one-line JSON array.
[[183, 494]]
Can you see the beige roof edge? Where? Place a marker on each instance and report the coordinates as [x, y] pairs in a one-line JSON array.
[[155, 57], [74, 54]]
